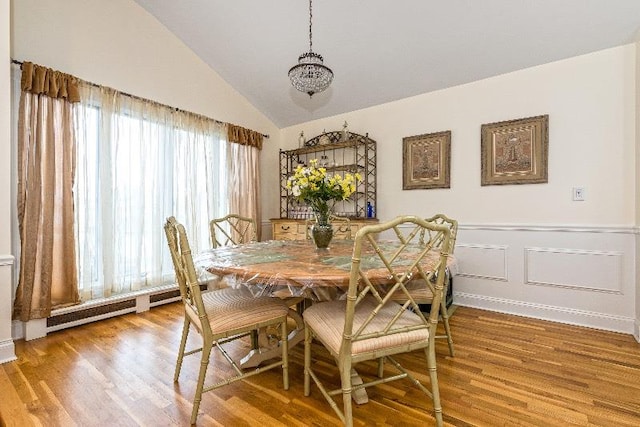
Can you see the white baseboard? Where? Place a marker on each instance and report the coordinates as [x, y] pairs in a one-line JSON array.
[[588, 319], [636, 330], [17, 329], [34, 329], [7, 351]]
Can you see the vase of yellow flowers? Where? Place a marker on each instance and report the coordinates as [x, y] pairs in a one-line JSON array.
[[313, 186]]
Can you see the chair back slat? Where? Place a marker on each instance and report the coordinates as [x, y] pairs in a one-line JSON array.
[[410, 257], [442, 219], [232, 229], [186, 275]]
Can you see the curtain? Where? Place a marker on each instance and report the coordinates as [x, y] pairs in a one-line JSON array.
[[98, 173], [138, 163], [46, 170], [244, 136], [243, 170]]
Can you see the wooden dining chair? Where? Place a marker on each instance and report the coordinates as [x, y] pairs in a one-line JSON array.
[[220, 316], [341, 227], [232, 229], [424, 294], [368, 324]]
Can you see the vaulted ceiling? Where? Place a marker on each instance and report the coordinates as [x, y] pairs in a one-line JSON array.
[[384, 50]]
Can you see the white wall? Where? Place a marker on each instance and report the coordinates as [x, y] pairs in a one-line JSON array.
[[527, 249], [590, 102], [637, 94], [6, 259]]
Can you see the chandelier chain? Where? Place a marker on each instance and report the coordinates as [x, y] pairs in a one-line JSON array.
[[310, 24]]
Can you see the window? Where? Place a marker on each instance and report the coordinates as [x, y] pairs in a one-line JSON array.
[[137, 164]]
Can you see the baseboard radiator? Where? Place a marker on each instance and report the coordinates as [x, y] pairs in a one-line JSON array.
[[92, 311]]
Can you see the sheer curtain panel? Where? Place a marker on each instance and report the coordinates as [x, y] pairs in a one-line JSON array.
[[140, 162]]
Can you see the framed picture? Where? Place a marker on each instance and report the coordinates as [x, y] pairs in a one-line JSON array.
[[515, 151], [426, 161]]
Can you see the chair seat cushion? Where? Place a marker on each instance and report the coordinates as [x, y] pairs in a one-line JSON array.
[[327, 319], [236, 309]]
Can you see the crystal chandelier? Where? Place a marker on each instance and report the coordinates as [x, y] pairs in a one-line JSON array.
[[310, 75]]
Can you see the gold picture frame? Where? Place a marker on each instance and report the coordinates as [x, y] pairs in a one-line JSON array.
[[426, 160], [515, 151]]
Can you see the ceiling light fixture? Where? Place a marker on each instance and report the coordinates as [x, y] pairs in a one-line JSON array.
[[310, 75]]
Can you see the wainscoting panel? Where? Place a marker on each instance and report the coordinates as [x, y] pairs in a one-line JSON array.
[[580, 275], [482, 261], [595, 271]]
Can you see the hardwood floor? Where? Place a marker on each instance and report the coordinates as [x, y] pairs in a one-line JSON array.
[[507, 371]]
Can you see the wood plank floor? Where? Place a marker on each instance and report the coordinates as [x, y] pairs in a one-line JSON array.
[[507, 371]]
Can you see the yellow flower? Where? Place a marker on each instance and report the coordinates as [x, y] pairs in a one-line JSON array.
[[312, 185]]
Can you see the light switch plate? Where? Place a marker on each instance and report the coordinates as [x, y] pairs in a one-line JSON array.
[[578, 194]]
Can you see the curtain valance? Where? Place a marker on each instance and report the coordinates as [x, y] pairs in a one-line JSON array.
[[38, 80], [245, 136]]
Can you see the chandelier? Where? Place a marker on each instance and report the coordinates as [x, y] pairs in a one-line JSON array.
[[310, 75]]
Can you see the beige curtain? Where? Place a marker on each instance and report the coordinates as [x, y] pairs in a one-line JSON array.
[[243, 170], [46, 163], [244, 136]]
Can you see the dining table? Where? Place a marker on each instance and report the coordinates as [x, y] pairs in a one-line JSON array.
[[296, 271]]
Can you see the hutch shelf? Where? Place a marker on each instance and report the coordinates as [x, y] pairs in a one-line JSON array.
[[339, 152]]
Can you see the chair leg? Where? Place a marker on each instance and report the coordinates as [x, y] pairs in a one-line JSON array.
[[435, 389], [380, 367], [285, 354], [204, 363], [447, 329], [183, 343], [254, 340], [345, 374], [307, 361]]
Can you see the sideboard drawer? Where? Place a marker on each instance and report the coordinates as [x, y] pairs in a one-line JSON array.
[[296, 229], [285, 230]]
